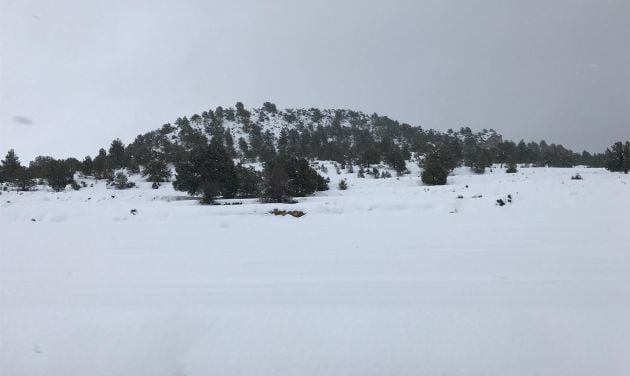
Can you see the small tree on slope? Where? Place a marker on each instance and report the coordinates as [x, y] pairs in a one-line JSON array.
[[437, 165], [10, 167]]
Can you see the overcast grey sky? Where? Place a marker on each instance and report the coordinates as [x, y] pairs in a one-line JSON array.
[[76, 74]]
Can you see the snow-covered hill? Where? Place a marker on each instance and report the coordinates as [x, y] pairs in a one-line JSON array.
[[387, 277]]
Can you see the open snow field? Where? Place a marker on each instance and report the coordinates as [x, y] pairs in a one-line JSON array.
[[387, 278]]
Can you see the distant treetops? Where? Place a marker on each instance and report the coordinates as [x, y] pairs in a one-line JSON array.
[[210, 152]]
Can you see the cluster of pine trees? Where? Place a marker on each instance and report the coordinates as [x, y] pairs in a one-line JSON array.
[[618, 157], [209, 170], [58, 173], [203, 150], [443, 158]]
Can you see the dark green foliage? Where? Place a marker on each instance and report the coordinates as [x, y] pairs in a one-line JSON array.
[[511, 168], [523, 154], [283, 141], [156, 169], [117, 155], [618, 157], [230, 115], [59, 174], [10, 167], [244, 147], [370, 156], [76, 186], [208, 170], [285, 177], [267, 150], [241, 111], [24, 179], [453, 153], [87, 166], [189, 137], [481, 159], [133, 166], [101, 167], [73, 164], [270, 107], [159, 141], [249, 182], [322, 183], [395, 158], [505, 152], [120, 180], [343, 185], [39, 166], [436, 166], [228, 142]]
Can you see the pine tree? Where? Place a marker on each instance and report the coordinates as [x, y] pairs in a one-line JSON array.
[[618, 157], [87, 166], [242, 144], [240, 110], [268, 150], [396, 160], [228, 140], [117, 156], [230, 115], [24, 179], [208, 170], [285, 177], [59, 175], [270, 107], [249, 182], [511, 168], [283, 141], [343, 185], [371, 156], [38, 167], [101, 166], [133, 166], [10, 167], [523, 153], [436, 167], [481, 159], [120, 180], [156, 169]]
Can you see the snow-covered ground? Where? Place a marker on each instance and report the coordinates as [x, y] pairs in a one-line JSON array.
[[387, 278]]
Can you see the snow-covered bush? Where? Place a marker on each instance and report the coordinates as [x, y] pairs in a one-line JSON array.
[[122, 182], [343, 185], [511, 168]]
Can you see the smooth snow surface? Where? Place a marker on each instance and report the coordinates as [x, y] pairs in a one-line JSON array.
[[387, 278]]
